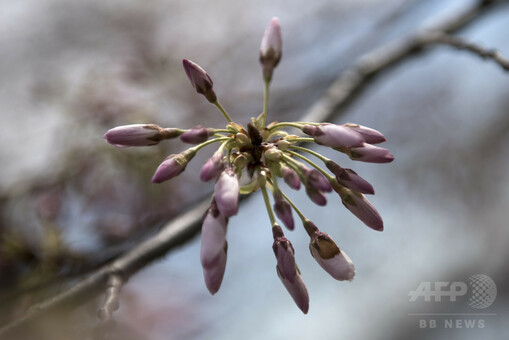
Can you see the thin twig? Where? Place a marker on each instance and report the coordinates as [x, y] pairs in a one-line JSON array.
[[462, 44], [186, 226]]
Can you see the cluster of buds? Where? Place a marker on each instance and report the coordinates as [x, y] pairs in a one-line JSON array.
[[259, 155]]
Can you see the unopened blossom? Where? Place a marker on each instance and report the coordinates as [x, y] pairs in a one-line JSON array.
[[212, 167], [173, 166], [200, 80], [196, 135], [213, 247], [334, 135], [360, 207], [349, 178], [258, 156], [271, 48], [138, 135], [371, 136], [283, 210], [290, 177], [371, 154], [226, 192]]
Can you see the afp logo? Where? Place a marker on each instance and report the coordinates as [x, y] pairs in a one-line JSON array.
[[481, 290]]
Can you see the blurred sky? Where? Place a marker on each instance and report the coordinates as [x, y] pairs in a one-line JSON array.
[[445, 114]]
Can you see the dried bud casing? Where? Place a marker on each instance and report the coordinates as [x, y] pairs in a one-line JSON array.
[[335, 262], [200, 80]]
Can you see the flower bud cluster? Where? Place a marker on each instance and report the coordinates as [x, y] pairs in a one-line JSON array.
[[264, 156]]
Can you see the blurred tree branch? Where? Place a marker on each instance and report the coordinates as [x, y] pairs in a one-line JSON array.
[[178, 231], [462, 44]]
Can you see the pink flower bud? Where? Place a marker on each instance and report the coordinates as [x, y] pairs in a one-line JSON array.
[[214, 274], [297, 290], [291, 178], [316, 180], [361, 207], [316, 196], [172, 166], [213, 236], [196, 135], [227, 192], [284, 252], [271, 48], [200, 80], [371, 136], [212, 167], [370, 153], [330, 258], [138, 135], [334, 135], [283, 210], [349, 178]]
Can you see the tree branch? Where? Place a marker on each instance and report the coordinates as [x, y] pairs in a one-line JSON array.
[[181, 229], [462, 44]]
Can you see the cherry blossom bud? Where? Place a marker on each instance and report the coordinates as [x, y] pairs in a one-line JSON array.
[[297, 290], [214, 274], [271, 48], [330, 258], [227, 192], [350, 179], [138, 135], [316, 180], [200, 80], [212, 167], [371, 136], [283, 210], [196, 135], [284, 252], [370, 153], [172, 166], [291, 178], [360, 207], [334, 135], [213, 236], [316, 196]]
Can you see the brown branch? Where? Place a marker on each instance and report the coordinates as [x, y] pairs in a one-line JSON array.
[[183, 228], [462, 44]]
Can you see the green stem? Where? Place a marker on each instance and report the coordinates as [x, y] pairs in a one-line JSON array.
[[210, 141], [223, 111], [283, 124], [265, 100], [300, 139], [314, 153], [267, 205], [222, 131], [301, 215], [313, 164]]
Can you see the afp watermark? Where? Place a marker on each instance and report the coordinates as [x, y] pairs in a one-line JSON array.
[[478, 291]]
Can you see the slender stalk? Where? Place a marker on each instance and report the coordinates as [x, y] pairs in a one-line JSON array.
[[210, 141], [222, 131], [300, 139], [314, 153], [301, 215], [265, 101], [267, 205], [288, 124], [310, 162], [223, 111]]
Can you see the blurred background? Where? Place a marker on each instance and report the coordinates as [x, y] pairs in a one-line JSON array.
[[69, 202]]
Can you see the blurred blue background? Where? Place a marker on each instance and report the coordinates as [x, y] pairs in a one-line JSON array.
[[69, 202]]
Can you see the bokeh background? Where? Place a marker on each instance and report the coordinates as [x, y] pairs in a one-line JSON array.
[[69, 202]]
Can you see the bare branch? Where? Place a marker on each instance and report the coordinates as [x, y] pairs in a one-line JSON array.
[[462, 44], [186, 226]]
